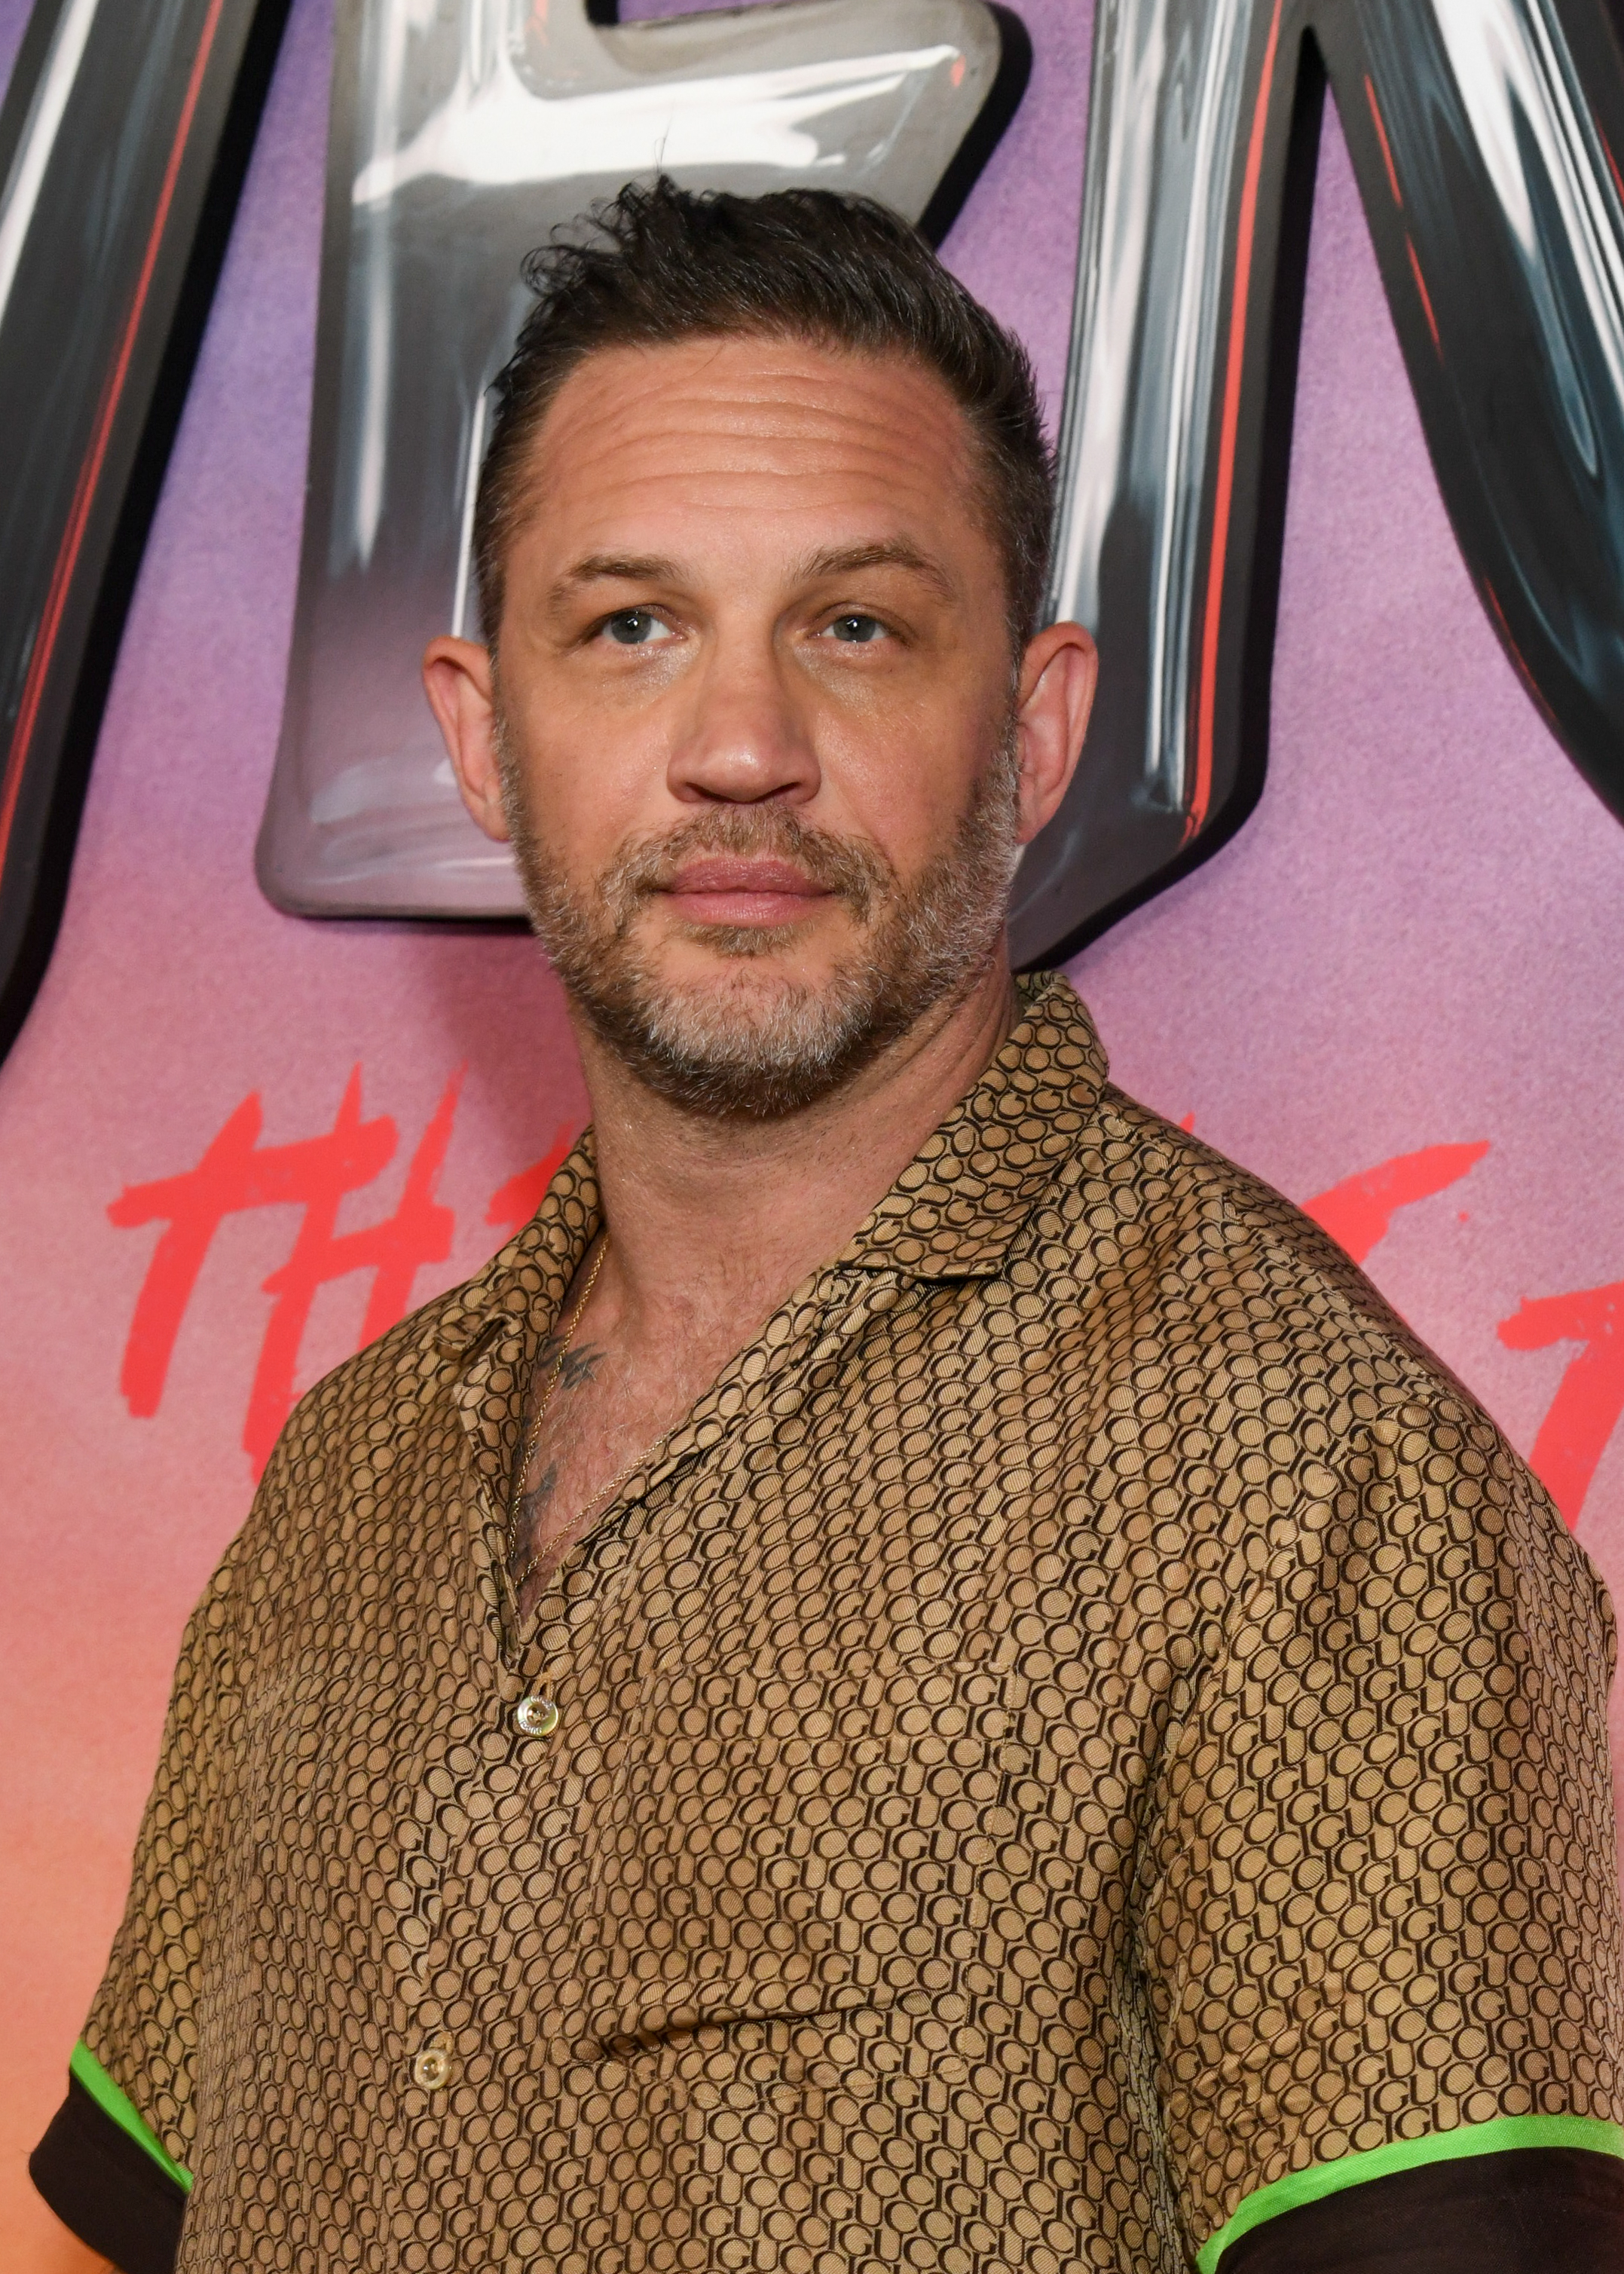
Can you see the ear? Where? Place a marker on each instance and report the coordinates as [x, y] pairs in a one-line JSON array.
[[1057, 676], [458, 681]]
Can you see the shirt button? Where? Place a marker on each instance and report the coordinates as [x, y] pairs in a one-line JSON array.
[[432, 2067], [536, 1715]]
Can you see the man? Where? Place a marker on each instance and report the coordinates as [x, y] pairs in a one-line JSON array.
[[919, 1674]]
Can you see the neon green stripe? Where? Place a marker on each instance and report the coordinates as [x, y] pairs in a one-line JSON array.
[[84, 2065], [1322, 2180]]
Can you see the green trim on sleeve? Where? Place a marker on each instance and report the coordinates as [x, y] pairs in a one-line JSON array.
[[112, 2102], [1322, 2180]]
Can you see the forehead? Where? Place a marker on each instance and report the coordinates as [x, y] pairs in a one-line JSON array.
[[763, 434]]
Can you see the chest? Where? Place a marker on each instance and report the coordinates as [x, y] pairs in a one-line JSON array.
[[596, 1410], [835, 1729]]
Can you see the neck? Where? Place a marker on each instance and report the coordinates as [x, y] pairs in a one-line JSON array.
[[720, 1219]]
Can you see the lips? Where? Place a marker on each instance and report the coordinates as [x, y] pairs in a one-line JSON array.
[[732, 889]]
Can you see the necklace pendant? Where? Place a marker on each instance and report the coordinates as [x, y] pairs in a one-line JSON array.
[[535, 1716]]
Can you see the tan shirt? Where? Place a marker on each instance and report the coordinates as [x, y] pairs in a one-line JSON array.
[[1084, 1720]]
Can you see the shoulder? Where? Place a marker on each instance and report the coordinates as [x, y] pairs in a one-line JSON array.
[[1205, 1252], [399, 1390], [1245, 1341], [388, 1387], [367, 1451]]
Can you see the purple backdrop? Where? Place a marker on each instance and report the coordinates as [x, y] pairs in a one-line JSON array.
[[1410, 946]]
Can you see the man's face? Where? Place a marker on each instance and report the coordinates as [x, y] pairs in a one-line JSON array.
[[755, 712]]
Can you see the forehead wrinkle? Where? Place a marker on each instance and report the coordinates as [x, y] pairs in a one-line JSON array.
[[758, 431], [859, 477], [794, 406], [732, 376], [669, 447]]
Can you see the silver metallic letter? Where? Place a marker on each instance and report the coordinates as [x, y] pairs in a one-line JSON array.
[[1483, 134]]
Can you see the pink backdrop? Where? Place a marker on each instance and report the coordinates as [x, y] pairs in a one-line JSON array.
[[1410, 947]]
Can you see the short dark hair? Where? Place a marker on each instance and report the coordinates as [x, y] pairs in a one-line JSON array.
[[658, 264]]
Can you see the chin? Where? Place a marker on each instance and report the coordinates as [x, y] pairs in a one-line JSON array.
[[733, 1000], [742, 964], [749, 1039]]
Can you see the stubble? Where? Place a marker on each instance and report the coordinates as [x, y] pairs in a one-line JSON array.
[[751, 1041]]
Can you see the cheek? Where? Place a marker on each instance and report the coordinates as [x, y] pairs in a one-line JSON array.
[[906, 786], [592, 780]]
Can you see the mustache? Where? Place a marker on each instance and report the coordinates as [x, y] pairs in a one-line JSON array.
[[852, 868]]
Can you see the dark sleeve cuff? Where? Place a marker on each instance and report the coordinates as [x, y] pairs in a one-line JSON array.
[[1523, 2210], [106, 2188]]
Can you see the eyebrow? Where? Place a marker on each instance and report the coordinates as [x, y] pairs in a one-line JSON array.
[[833, 561], [598, 567], [895, 553]]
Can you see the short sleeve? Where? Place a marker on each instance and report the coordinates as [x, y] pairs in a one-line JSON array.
[[141, 2028], [114, 2165], [1378, 1913]]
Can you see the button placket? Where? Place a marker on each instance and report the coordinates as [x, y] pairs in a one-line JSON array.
[[554, 1633], [448, 1802]]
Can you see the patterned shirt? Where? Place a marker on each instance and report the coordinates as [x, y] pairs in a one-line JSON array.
[[1084, 1743]]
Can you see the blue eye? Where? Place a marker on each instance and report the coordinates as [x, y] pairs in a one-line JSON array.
[[635, 628], [857, 631]]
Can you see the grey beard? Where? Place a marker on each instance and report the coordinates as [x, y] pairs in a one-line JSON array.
[[742, 1051]]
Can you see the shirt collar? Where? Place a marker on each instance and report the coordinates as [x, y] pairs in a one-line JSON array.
[[951, 1214], [531, 1276], [956, 1206]]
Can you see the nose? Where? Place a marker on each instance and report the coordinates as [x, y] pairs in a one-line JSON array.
[[744, 738]]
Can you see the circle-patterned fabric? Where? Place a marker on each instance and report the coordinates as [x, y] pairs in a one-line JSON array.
[[1085, 1718]]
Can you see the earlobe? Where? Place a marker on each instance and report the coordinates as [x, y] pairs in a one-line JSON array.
[[458, 681], [1058, 674]]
